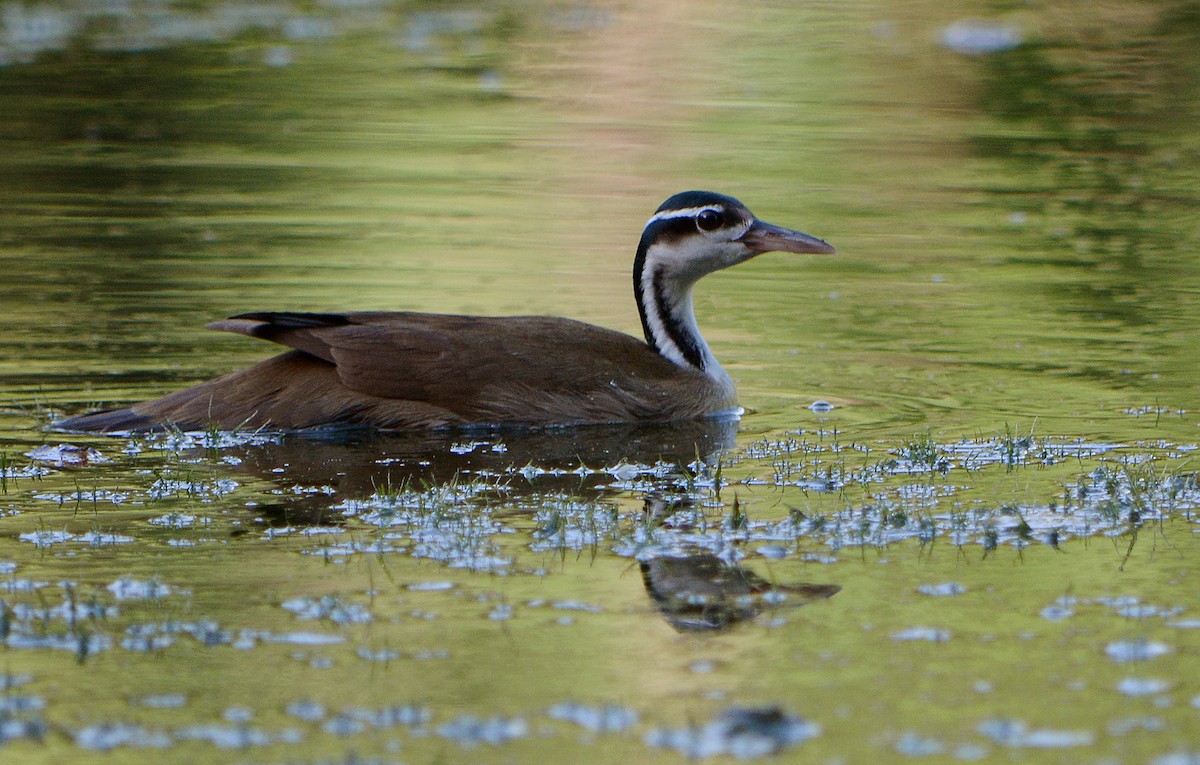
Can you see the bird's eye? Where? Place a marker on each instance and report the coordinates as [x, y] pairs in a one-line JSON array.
[[709, 220]]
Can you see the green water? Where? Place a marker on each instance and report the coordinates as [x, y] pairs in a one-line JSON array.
[[1004, 490]]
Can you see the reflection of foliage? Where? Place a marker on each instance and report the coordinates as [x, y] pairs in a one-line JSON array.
[[1096, 115], [141, 146]]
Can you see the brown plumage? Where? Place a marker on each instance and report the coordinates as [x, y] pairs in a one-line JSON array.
[[703, 592], [357, 368], [406, 370]]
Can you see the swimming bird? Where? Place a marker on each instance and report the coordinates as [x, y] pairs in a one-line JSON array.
[[409, 371]]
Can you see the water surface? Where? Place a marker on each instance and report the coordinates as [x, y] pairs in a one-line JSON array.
[[983, 550]]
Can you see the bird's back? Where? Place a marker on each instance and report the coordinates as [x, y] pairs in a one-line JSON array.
[[404, 370]]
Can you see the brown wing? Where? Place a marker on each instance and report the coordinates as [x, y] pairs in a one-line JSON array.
[[537, 368]]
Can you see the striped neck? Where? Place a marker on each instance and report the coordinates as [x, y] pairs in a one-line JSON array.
[[664, 300]]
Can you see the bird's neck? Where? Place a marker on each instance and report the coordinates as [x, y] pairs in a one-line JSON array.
[[664, 299]]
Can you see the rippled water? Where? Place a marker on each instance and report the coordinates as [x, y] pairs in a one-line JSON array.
[[957, 522]]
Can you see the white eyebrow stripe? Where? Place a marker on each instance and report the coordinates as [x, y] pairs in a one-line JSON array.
[[689, 212]]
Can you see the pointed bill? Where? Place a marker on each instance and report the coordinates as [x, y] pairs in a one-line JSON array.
[[764, 237]]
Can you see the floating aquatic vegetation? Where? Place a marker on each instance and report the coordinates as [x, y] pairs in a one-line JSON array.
[[466, 447], [211, 440], [930, 634], [46, 538], [18, 584], [332, 608], [11, 704], [464, 544], [101, 539], [379, 654], [1184, 624], [297, 638], [205, 489], [564, 523], [920, 454], [128, 588], [346, 549], [448, 522], [915, 745], [108, 736], [1144, 686], [163, 701], [357, 719], [1018, 734], [406, 505], [71, 611], [1056, 613], [15, 728], [9, 472], [306, 709], [1011, 450], [742, 733], [237, 736], [943, 590], [431, 586], [608, 718], [80, 496], [308, 531], [78, 641], [141, 640], [1135, 650], [105, 737], [1124, 727], [67, 455], [179, 520], [469, 731]]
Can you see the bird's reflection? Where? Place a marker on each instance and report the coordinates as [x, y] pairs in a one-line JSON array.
[[703, 592], [563, 460]]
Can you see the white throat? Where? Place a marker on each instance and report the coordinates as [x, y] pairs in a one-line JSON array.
[[665, 296]]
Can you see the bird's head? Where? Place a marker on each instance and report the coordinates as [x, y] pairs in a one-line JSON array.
[[690, 235], [697, 232]]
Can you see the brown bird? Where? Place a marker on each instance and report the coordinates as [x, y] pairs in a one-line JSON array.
[[404, 371], [704, 592]]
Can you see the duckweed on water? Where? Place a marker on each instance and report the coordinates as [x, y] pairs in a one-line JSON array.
[[883, 548], [794, 503]]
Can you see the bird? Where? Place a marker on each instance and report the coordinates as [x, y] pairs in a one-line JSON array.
[[701, 591], [405, 370]]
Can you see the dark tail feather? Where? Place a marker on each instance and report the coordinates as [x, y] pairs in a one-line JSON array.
[[107, 421]]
